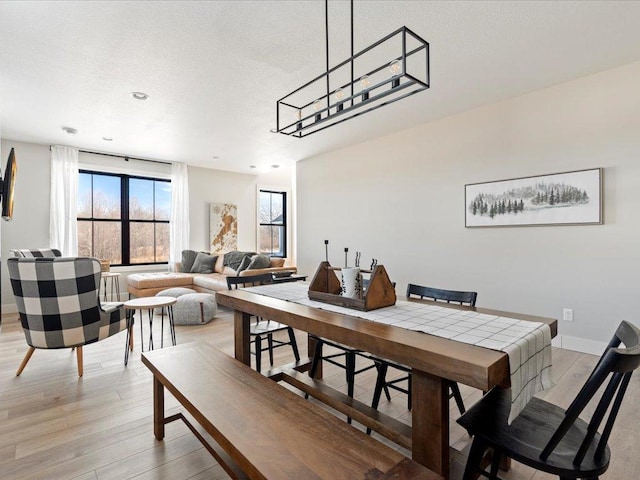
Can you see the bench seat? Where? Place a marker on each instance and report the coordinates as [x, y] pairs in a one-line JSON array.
[[266, 430]]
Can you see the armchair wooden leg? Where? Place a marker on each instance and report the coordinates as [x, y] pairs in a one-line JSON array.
[[25, 360], [79, 358]]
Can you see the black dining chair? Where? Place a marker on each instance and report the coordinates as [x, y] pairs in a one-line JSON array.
[[262, 327], [547, 437], [459, 297]]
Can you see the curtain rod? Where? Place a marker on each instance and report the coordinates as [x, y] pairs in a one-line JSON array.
[[125, 157]]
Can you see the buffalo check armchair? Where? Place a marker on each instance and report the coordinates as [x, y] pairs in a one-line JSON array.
[[59, 304]]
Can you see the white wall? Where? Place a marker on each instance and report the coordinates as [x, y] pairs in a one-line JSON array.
[[30, 227], [400, 199]]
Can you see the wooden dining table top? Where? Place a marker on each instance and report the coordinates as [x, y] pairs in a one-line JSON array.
[[471, 365]]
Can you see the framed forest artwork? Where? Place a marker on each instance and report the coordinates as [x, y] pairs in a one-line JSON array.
[[223, 227], [569, 198]]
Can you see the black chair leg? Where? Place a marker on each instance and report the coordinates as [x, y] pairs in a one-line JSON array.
[[270, 344], [350, 370], [409, 395], [317, 356], [258, 353], [457, 396], [495, 464], [475, 458], [381, 381], [294, 344]]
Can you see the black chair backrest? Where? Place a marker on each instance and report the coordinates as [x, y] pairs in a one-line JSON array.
[[463, 298], [249, 281], [617, 363]]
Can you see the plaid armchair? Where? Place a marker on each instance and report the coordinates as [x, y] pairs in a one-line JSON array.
[[59, 306]]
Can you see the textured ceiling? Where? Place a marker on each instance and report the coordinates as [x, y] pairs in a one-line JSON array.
[[214, 70]]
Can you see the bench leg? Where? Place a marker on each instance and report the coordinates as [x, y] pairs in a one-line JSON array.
[[158, 409]]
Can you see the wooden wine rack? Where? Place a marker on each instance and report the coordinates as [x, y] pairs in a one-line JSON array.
[[326, 287]]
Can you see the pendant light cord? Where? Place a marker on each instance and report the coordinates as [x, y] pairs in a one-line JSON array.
[[326, 30], [352, 53]]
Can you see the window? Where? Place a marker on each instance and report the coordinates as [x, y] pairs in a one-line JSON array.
[[272, 223], [123, 218]]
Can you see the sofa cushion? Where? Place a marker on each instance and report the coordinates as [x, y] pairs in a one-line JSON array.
[[175, 292], [219, 268], [211, 281], [159, 279], [276, 262], [188, 257], [204, 263]]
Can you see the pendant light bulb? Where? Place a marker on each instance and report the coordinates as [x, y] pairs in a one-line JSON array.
[[364, 83], [298, 115], [339, 95], [394, 67], [317, 106]]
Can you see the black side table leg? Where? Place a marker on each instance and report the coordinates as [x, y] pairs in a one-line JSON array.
[[172, 326]]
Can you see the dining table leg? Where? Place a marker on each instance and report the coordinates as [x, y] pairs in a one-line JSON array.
[[242, 337], [430, 422]]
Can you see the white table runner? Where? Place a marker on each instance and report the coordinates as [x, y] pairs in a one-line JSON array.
[[528, 344]]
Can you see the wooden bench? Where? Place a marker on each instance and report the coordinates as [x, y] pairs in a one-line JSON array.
[[258, 429]]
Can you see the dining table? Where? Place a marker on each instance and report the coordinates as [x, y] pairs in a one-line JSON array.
[[434, 360]]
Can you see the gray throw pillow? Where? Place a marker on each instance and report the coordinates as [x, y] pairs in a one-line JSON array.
[[188, 257], [244, 263], [204, 263], [233, 259], [259, 261]]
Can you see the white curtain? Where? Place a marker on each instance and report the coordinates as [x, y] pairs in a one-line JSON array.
[[63, 224], [179, 226]]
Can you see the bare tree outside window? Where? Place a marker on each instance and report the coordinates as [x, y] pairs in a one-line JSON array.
[[125, 229], [272, 218]]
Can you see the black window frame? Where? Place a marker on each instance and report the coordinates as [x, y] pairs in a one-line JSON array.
[[124, 220], [284, 225]]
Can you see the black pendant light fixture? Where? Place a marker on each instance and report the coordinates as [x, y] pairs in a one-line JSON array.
[[390, 69]]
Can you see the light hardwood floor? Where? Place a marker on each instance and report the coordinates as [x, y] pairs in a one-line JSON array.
[[54, 425]]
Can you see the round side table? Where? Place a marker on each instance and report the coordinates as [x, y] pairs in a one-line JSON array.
[[150, 304], [115, 284]]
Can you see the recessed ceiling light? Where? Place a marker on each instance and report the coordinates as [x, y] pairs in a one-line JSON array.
[[69, 130], [252, 166], [139, 95], [215, 157], [107, 139], [275, 166]]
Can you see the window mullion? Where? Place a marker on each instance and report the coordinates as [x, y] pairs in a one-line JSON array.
[[125, 221]]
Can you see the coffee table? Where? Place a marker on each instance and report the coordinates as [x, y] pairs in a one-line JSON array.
[[150, 304]]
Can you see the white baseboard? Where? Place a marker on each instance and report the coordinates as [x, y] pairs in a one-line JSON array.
[[9, 308], [582, 345]]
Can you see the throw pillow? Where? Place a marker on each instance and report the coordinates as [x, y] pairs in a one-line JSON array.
[[203, 263], [259, 261], [233, 259], [244, 263], [188, 257]]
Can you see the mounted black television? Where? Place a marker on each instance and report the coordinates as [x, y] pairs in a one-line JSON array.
[[7, 186]]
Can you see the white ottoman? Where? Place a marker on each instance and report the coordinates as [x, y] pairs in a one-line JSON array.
[[191, 308]]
